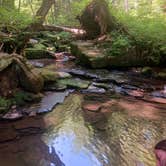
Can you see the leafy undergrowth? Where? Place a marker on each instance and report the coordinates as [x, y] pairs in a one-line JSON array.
[[148, 31], [20, 98], [12, 20]]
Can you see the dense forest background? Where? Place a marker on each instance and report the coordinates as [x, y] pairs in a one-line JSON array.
[[145, 19]]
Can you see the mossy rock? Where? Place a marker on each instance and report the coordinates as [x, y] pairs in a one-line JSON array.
[[5, 61], [74, 83], [18, 69], [51, 76], [87, 54], [33, 53], [20, 98], [54, 86]]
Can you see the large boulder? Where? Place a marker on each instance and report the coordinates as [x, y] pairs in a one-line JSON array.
[[16, 72]]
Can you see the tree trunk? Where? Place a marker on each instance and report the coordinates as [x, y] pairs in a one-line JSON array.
[[126, 5], [43, 10], [40, 16]]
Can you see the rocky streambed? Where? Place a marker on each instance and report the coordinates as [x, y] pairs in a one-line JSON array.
[[96, 118]]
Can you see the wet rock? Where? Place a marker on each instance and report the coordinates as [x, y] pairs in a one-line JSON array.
[[50, 75], [131, 87], [161, 94], [103, 85], [12, 115], [135, 93], [64, 75], [49, 101], [130, 92], [77, 72], [87, 54], [74, 83], [94, 89], [117, 79], [93, 107], [37, 64], [55, 87], [83, 73]]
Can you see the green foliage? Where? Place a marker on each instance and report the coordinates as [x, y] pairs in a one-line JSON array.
[[148, 30], [119, 44], [4, 105], [12, 20], [20, 98]]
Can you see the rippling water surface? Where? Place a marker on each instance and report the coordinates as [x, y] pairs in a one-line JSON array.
[[123, 133]]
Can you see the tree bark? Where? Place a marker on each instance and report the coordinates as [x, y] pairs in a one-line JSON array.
[[43, 11], [40, 16], [126, 5]]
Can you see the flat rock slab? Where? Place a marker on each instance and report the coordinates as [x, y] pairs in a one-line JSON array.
[[87, 53]]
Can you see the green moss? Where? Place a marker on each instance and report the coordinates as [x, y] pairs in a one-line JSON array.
[[4, 105], [21, 98], [33, 53], [74, 83]]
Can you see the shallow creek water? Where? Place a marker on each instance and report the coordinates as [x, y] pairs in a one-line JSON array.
[[122, 133]]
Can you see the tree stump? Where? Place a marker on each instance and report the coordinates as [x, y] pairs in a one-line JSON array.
[[96, 19]]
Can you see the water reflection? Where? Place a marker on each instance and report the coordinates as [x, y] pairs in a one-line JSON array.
[[76, 137], [127, 141]]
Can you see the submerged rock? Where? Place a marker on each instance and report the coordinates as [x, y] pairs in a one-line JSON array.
[[49, 101], [93, 107], [107, 86], [94, 89], [87, 54]]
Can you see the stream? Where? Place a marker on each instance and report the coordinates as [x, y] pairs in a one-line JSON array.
[[117, 121]]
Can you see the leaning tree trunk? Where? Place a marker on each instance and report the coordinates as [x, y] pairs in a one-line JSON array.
[[41, 15], [96, 19], [43, 10]]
